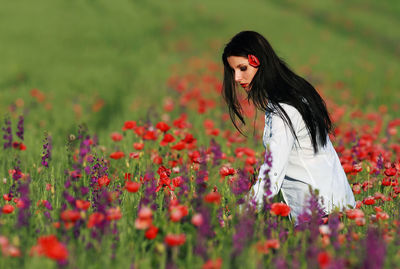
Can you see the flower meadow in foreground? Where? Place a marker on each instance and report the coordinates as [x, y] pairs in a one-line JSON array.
[[172, 190]]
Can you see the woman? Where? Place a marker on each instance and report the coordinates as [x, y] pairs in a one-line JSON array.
[[297, 126]]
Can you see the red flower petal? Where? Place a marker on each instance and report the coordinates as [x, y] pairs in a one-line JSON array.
[[253, 60]]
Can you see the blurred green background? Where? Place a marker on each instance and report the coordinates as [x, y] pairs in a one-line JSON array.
[[79, 52]]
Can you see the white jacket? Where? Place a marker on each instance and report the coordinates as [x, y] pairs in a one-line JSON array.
[[322, 171]]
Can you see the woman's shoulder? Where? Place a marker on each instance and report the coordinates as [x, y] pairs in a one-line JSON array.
[[290, 110]]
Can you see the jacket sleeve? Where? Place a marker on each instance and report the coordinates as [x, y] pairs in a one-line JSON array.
[[280, 143]]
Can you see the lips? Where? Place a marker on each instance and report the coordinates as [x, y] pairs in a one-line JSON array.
[[244, 85]]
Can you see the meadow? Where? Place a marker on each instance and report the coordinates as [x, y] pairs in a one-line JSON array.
[[117, 149]]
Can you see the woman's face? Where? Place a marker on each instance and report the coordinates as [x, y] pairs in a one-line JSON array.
[[244, 72]]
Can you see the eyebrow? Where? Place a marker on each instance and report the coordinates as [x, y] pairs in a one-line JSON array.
[[242, 64]]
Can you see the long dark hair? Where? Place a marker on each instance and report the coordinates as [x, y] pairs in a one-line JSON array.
[[274, 83]]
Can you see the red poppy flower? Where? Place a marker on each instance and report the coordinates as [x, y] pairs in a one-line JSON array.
[[114, 214], [177, 181], [22, 146], [213, 197], [7, 209], [180, 122], [103, 181], [382, 216], [173, 240], [280, 209], [81, 204], [324, 259], [70, 215], [19, 203], [163, 171], [370, 200], [179, 146], [164, 182], [130, 124], [168, 138], [7, 197], [157, 159], [189, 139], [151, 232], [162, 126], [386, 181], [117, 155], [213, 264], [145, 218], [197, 219], [251, 160], [390, 172], [178, 212], [116, 136], [357, 168], [50, 246], [168, 104], [10, 250], [208, 124], [263, 247], [150, 135], [176, 215], [396, 190], [378, 196], [356, 188], [360, 221], [226, 171], [132, 186], [95, 219], [145, 213], [253, 60], [347, 167], [214, 132], [75, 174], [139, 130], [194, 156], [240, 151], [359, 204], [138, 146], [354, 213]]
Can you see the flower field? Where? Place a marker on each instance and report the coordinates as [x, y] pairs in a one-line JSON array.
[[102, 166], [160, 191]]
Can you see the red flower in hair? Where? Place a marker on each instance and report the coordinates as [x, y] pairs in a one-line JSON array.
[[253, 60]]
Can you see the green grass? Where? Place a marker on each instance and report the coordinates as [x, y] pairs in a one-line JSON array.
[[70, 47]]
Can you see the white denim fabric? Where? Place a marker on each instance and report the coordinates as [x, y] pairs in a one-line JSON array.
[[296, 160], [296, 194]]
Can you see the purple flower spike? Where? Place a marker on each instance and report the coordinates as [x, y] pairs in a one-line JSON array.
[[244, 232], [216, 150], [241, 185], [375, 249], [47, 151], [7, 133], [24, 213], [20, 127]]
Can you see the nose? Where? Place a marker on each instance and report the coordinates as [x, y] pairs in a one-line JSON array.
[[238, 77]]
